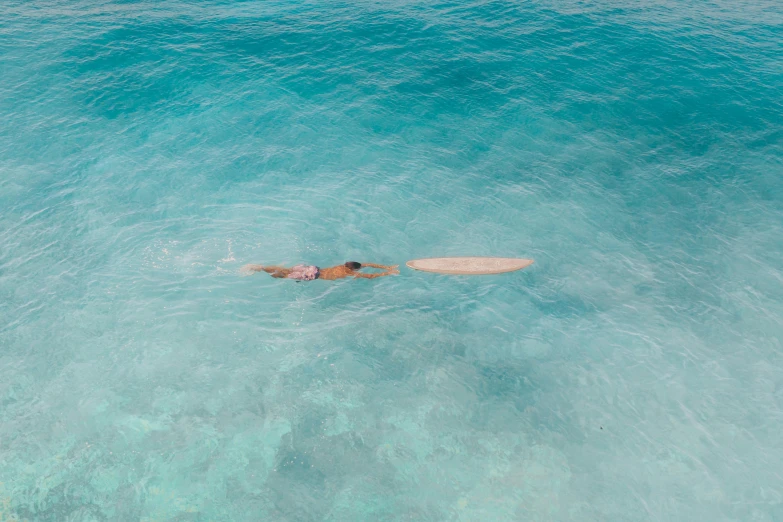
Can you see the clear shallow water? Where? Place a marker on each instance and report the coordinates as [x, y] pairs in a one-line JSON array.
[[148, 150]]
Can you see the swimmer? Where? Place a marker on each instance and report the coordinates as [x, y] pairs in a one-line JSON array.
[[311, 272]]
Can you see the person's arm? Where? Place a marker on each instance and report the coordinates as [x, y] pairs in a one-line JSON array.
[[252, 268], [373, 276], [370, 276], [384, 267]]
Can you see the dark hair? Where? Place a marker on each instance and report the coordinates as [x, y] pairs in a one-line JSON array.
[[353, 265]]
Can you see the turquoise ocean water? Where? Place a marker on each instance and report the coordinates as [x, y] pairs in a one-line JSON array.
[[150, 149]]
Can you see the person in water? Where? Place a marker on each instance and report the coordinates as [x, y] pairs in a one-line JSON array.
[[311, 272]]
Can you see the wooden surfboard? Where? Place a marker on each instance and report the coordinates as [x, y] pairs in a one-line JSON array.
[[469, 265]]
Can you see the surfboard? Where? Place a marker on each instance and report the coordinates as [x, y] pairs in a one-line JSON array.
[[469, 265]]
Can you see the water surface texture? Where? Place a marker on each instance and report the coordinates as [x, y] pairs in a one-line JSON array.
[[150, 149]]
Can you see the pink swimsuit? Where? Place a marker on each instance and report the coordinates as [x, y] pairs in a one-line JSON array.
[[304, 273]]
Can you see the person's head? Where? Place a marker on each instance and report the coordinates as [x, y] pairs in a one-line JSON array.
[[353, 265]]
